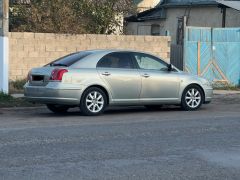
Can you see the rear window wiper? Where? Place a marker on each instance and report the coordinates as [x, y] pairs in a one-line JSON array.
[[58, 64]]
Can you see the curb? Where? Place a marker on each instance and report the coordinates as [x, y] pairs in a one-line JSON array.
[[17, 95], [225, 92]]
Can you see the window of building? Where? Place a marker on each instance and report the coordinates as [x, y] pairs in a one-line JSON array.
[[155, 29]]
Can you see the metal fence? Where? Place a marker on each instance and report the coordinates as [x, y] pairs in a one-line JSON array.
[[176, 56], [213, 53]]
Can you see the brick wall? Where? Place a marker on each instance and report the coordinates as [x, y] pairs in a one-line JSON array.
[[29, 50]]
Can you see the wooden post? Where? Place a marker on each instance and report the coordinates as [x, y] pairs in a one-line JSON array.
[[4, 24], [199, 58]]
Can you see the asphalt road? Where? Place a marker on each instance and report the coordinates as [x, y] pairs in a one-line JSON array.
[[124, 143]]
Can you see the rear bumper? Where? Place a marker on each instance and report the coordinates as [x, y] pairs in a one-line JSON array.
[[54, 93], [208, 95]]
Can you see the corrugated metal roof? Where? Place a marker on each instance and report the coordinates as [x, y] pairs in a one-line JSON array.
[[170, 3], [159, 11], [151, 14], [231, 4], [187, 1]]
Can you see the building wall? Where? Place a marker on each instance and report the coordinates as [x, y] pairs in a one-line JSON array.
[[29, 50], [199, 16]]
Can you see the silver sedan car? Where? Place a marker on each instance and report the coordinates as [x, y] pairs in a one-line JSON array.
[[95, 79]]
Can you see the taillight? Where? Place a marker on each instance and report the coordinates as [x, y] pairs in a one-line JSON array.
[[57, 74]]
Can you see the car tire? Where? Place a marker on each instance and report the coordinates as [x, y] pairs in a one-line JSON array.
[[192, 98], [57, 108], [93, 102], [153, 107]]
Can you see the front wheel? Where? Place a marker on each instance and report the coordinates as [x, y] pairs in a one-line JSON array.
[[57, 108], [192, 98], [93, 102]]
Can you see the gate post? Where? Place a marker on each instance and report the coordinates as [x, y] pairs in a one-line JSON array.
[[4, 52]]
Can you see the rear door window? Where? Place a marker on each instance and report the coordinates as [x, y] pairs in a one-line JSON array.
[[116, 60], [69, 59]]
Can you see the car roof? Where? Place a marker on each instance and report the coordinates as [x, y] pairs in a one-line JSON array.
[[91, 60], [111, 50]]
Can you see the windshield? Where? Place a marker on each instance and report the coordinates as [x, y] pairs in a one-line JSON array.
[[70, 59]]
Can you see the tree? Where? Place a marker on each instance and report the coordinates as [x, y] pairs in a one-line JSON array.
[[54, 16], [69, 16]]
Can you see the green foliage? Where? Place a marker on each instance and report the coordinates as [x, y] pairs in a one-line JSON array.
[[9, 101], [18, 84], [70, 16], [5, 97], [53, 16]]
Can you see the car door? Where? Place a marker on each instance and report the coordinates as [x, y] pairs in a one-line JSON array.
[[158, 83], [121, 76]]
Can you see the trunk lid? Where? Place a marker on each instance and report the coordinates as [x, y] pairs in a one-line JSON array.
[[40, 76]]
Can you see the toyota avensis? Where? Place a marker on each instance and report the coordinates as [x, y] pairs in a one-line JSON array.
[[95, 79]]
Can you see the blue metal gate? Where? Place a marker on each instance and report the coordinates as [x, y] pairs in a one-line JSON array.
[[213, 53]]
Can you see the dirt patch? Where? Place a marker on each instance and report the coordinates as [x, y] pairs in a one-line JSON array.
[[227, 99]]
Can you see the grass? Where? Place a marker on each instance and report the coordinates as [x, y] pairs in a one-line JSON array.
[[9, 101], [17, 86]]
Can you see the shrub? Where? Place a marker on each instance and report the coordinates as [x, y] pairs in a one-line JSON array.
[[17, 86]]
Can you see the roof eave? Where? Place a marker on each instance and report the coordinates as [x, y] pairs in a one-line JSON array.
[[151, 18], [188, 5]]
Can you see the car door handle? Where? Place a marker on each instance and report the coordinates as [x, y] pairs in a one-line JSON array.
[[146, 75], [106, 74]]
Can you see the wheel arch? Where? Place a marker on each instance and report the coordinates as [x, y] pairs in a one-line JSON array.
[[102, 88], [195, 84]]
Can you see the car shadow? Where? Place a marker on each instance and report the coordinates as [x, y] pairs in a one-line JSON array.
[[140, 109], [115, 111]]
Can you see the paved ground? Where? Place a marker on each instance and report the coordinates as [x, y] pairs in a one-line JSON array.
[[125, 143]]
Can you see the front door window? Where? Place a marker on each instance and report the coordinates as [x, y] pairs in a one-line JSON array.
[[148, 62]]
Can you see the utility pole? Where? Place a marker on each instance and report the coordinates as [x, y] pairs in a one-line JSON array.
[[4, 49]]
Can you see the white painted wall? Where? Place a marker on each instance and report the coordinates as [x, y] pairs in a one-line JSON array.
[[4, 53]]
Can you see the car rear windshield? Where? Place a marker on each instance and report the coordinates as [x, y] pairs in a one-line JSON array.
[[69, 59]]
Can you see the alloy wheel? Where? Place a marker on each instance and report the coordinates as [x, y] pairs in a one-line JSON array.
[[94, 102], [193, 98]]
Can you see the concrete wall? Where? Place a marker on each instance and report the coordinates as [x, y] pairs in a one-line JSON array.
[[29, 50], [199, 16]]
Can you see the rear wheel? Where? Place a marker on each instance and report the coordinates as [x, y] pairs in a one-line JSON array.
[[93, 102], [192, 98], [57, 108]]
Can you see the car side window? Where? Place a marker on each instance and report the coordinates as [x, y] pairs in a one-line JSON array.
[[116, 60], [149, 62]]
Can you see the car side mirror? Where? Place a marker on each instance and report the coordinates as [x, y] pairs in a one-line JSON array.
[[170, 67]]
